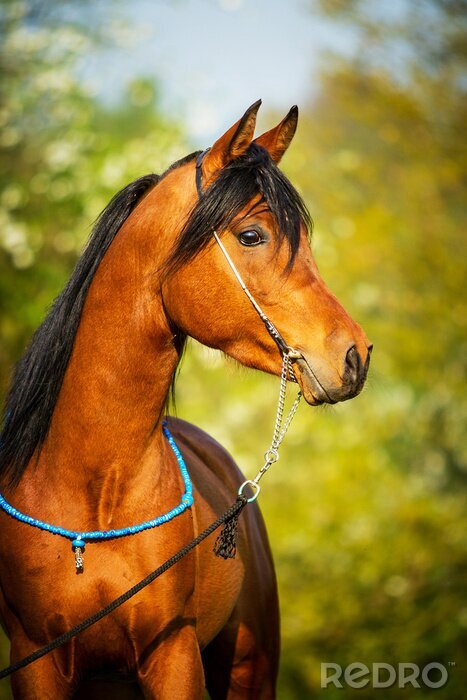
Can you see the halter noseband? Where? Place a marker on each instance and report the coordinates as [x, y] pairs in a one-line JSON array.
[[285, 349]]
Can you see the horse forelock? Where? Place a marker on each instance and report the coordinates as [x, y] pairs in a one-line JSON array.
[[233, 190]]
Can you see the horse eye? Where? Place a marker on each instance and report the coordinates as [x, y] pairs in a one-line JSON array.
[[250, 238]]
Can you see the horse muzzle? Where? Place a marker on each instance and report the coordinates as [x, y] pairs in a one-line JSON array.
[[319, 387]]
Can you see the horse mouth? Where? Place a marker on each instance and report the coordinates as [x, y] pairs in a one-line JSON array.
[[313, 391], [316, 394]]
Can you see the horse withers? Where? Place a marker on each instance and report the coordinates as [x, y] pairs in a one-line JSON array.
[[84, 449]]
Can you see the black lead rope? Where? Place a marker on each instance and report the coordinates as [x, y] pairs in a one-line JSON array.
[[225, 547]]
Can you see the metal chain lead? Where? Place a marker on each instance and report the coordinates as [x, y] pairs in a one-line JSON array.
[[288, 354], [272, 454]]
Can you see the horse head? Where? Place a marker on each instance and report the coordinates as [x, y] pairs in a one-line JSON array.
[[264, 227]]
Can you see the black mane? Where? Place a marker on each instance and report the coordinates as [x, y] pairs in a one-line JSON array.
[[39, 374]]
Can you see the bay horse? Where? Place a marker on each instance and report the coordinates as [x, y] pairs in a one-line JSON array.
[[83, 443]]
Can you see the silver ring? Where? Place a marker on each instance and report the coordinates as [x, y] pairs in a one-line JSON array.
[[254, 485], [271, 455]]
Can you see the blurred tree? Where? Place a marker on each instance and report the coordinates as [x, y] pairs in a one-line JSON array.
[[61, 150], [404, 159], [424, 40]]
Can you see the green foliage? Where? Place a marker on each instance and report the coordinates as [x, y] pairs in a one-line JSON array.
[[63, 155]]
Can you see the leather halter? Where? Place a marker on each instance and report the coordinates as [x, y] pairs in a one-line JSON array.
[[284, 348]]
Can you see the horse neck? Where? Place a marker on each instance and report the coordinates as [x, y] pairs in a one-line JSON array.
[[105, 434]]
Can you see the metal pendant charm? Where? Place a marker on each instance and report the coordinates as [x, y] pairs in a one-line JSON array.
[[78, 546], [79, 560]]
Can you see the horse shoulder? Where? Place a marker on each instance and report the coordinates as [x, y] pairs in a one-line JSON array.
[[216, 479]]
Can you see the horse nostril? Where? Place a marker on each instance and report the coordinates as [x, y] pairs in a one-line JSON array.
[[352, 364], [370, 348]]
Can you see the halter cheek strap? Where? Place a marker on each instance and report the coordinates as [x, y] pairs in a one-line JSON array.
[[270, 327], [284, 348]]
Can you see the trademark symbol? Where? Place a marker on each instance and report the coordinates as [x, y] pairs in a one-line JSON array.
[[451, 663]]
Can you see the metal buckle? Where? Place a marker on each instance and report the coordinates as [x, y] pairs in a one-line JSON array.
[[271, 455], [293, 354], [256, 489]]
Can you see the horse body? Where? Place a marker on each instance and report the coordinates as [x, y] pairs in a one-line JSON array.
[[211, 594], [104, 462]]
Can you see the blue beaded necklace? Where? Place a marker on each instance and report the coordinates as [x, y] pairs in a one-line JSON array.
[[79, 539]]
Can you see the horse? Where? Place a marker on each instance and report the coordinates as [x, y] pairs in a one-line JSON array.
[[85, 437]]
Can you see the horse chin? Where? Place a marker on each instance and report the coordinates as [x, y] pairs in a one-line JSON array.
[[311, 388]]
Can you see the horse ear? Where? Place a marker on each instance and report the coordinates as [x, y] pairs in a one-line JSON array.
[[232, 144], [277, 140]]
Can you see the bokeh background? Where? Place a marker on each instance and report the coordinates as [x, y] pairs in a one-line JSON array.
[[366, 508]]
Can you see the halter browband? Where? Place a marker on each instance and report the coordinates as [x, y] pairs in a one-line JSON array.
[[284, 348]]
